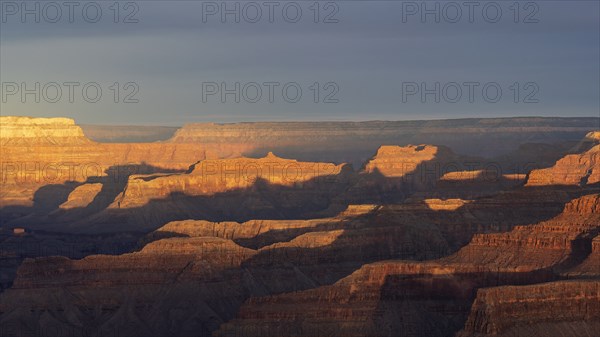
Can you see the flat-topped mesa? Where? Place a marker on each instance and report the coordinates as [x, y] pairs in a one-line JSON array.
[[272, 169], [209, 177], [574, 169], [397, 161], [563, 308], [396, 172], [158, 262], [27, 131], [255, 233]]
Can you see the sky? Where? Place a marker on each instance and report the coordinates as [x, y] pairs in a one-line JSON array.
[[177, 62]]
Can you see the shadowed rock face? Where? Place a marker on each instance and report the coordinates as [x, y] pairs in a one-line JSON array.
[[210, 177], [433, 298], [554, 309]]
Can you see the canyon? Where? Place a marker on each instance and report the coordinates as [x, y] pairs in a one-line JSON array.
[[372, 229]]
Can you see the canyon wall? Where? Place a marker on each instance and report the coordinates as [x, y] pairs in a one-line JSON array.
[[433, 298]]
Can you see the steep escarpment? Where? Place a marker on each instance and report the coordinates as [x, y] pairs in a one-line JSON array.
[[396, 172], [558, 243], [590, 267]]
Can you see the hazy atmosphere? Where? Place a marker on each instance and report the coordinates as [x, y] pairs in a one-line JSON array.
[[358, 60]]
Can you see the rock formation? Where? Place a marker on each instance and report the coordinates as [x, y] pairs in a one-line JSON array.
[[575, 169], [419, 242]]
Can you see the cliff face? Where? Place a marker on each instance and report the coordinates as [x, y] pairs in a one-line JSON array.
[[576, 169], [566, 308], [355, 142]]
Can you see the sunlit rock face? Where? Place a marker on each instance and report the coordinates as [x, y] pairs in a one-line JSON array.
[[575, 169], [210, 177], [43, 159], [27, 131], [355, 142]]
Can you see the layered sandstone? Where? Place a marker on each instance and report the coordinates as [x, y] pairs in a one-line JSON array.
[[45, 159], [593, 136], [396, 172]]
